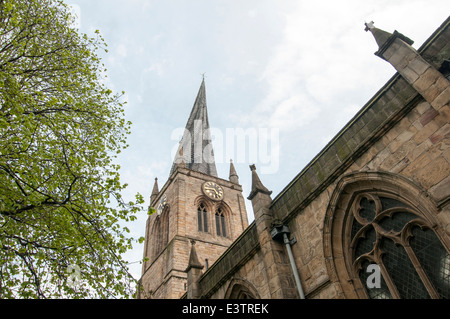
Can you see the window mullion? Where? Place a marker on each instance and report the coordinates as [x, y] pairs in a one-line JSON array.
[[205, 220], [384, 272]]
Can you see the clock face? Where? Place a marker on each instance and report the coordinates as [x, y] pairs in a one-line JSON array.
[[161, 205], [213, 191]]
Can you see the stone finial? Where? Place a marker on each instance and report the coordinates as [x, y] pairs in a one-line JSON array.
[[194, 272], [193, 258], [155, 192], [234, 178], [257, 185], [385, 39]]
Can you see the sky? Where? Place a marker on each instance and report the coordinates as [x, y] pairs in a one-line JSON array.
[[282, 78]]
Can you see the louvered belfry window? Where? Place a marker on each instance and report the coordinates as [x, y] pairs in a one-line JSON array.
[[400, 243]]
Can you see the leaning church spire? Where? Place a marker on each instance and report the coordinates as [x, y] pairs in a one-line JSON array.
[[196, 143]]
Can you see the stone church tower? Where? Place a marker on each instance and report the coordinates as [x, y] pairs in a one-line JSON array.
[[197, 214]]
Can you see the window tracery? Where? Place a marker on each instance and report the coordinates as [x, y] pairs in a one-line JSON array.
[[412, 260]]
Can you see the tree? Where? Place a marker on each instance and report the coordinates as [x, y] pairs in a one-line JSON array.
[[61, 212]]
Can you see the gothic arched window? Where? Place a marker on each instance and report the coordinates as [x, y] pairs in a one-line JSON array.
[[394, 250], [220, 223], [241, 289], [160, 233], [202, 216]]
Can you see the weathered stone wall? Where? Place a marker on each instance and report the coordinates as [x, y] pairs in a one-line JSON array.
[[240, 253]]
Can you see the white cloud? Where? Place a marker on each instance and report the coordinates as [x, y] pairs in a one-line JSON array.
[[157, 67], [157, 37], [292, 112], [321, 55], [122, 50]]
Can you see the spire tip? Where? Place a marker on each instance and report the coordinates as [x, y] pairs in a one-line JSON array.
[[369, 26]]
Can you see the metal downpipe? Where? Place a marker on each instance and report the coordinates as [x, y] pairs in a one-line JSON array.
[[293, 266]]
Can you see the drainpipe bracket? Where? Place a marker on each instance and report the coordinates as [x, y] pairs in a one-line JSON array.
[[279, 231], [293, 241]]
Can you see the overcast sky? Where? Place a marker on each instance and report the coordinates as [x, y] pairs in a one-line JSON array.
[[295, 72]]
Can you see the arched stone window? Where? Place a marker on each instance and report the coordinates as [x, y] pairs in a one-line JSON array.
[[382, 239], [221, 228], [394, 251], [241, 289], [160, 233], [202, 217]]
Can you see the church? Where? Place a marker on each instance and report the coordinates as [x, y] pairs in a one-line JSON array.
[[368, 217]]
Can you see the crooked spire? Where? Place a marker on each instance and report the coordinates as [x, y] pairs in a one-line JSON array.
[[196, 145]]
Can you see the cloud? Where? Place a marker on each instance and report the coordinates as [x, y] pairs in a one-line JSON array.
[[320, 56], [141, 177], [157, 67], [122, 50]]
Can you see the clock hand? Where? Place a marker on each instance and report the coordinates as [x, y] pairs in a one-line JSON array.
[[212, 189]]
